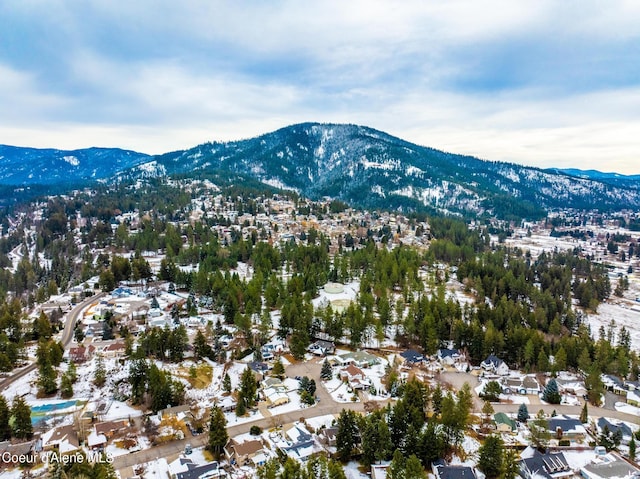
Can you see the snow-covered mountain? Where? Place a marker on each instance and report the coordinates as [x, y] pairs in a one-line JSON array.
[[356, 164], [33, 166], [367, 167]]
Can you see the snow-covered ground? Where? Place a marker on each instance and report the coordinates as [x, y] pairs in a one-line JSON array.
[[627, 408], [621, 315]]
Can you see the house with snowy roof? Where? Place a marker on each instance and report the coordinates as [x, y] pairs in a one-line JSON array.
[[245, 453], [62, 439], [442, 470], [565, 427], [547, 465], [321, 347], [609, 466], [614, 426], [495, 365], [412, 357], [449, 357], [356, 378]]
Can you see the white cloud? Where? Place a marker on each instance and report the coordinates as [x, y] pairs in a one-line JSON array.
[[158, 76]]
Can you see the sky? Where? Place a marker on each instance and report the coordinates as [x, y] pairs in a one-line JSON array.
[[540, 83]]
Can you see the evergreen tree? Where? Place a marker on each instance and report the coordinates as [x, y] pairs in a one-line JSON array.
[[47, 379], [226, 383], [584, 414], [492, 391], [218, 436], [594, 385], [511, 464], [551, 393], [278, 369], [326, 373], [5, 429], [523, 413], [201, 348], [100, 373], [397, 467], [632, 449], [413, 468], [248, 387], [72, 372], [66, 386], [539, 431], [491, 457], [347, 434], [21, 412]]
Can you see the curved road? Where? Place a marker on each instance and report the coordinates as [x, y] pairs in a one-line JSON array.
[[67, 334]]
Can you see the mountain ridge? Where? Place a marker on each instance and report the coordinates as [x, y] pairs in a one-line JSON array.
[[357, 164]]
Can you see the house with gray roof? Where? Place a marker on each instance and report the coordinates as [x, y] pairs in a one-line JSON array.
[[547, 465]]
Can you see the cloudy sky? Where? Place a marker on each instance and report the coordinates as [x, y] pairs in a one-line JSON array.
[[543, 83]]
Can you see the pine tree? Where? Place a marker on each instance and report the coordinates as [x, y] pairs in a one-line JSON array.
[[551, 393], [100, 373], [397, 467], [491, 457], [248, 387], [325, 372], [523, 413], [347, 433], [539, 431], [66, 386], [511, 464], [226, 383], [632, 449], [5, 429], [72, 372], [413, 468], [278, 369], [584, 414], [22, 428], [218, 436]]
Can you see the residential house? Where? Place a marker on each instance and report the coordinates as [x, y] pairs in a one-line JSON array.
[[355, 377], [632, 385], [62, 439], [565, 427], [259, 369], [328, 435], [178, 412], [412, 357], [526, 384], [614, 383], [362, 359], [322, 347], [445, 471], [111, 428], [609, 466], [504, 423], [185, 468], [19, 454], [300, 443], [96, 441], [273, 382], [633, 398], [449, 357], [615, 426], [245, 453], [547, 465], [495, 365], [80, 354], [115, 349], [275, 397]]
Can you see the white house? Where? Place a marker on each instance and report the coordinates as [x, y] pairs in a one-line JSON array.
[[495, 365]]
